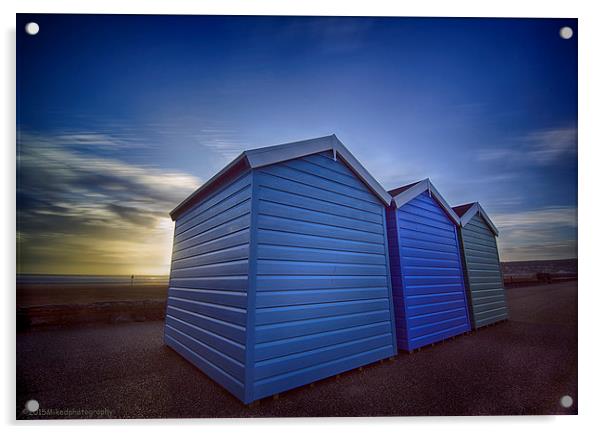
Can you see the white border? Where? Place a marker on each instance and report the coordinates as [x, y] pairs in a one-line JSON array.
[[590, 158]]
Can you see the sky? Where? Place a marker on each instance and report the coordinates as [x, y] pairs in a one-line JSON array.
[[119, 118]]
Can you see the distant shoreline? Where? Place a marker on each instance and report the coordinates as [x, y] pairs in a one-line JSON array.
[[25, 279]]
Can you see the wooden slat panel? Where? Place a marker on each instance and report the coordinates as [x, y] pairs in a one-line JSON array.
[[427, 273]]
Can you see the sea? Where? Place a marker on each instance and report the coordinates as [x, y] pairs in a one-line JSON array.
[[84, 279]]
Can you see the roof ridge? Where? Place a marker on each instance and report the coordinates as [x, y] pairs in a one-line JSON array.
[[274, 154]]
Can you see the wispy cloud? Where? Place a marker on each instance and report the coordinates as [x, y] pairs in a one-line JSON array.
[[83, 140], [564, 216], [224, 143], [547, 233], [542, 147], [75, 209]]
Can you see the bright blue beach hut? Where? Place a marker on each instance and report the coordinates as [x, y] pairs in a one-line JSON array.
[[280, 272], [426, 267]]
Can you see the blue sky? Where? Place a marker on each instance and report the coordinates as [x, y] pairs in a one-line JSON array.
[[121, 117]]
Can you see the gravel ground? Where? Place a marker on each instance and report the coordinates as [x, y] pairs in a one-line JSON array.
[[521, 366]]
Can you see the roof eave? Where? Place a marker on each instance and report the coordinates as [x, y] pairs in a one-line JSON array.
[[343, 153], [419, 188], [174, 213], [256, 158], [275, 154], [488, 220], [476, 208], [289, 151]]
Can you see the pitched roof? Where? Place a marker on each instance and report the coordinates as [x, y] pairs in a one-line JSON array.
[[401, 189], [461, 209], [467, 211], [406, 193], [260, 157]]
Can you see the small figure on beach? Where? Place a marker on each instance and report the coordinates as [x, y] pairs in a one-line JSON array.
[[132, 280]]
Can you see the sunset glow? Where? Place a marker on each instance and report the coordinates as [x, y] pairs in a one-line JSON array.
[[121, 128]]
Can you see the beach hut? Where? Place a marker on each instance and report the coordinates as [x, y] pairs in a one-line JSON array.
[[486, 294], [426, 267], [279, 272]]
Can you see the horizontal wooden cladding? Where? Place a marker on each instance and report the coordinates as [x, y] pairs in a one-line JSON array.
[[414, 254], [480, 248], [217, 311], [322, 295], [449, 262], [196, 212], [424, 208], [207, 297], [431, 319], [298, 268], [319, 178], [278, 331], [212, 215], [434, 305], [486, 295], [310, 203], [478, 255], [482, 241], [223, 328], [296, 253], [426, 284], [481, 264], [482, 272], [322, 290], [488, 300], [491, 316], [227, 228], [228, 364], [269, 386], [302, 214], [426, 236], [285, 283], [216, 342], [451, 293], [275, 182], [328, 168], [484, 286], [299, 344], [427, 274], [227, 268], [215, 372], [291, 239], [239, 210], [305, 359], [413, 245], [417, 221], [226, 298], [443, 234], [289, 224], [485, 307], [206, 249], [443, 331], [234, 253], [431, 270], [283, 314], [226, 283], [477, 225]]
